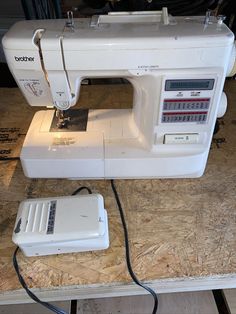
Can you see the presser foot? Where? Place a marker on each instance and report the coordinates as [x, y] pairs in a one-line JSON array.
[[62, 120], [72, 120]]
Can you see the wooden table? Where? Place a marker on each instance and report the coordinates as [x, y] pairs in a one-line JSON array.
[[182, 231]]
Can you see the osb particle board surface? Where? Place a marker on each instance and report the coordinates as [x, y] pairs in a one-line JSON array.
[[178, 228]]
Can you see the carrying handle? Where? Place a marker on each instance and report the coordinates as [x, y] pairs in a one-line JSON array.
[[131, 17]]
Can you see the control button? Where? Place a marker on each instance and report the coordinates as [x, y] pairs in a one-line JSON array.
[[191, 138]]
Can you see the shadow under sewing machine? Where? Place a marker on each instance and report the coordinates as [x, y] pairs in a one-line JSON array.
[[177, 67]]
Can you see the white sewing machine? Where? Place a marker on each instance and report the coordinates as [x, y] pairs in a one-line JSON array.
[[177, 67]]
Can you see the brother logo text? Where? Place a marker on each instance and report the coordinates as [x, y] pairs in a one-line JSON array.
[[24, 58]]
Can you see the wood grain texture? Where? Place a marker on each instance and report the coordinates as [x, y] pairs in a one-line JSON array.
[[174, 303], [180, 229]]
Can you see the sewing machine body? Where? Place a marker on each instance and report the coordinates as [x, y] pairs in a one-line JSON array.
[[177, 72]]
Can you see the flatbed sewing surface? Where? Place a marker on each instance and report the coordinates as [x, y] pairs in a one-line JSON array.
[[182, 231]]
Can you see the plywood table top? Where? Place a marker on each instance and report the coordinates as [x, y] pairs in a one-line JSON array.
[[182, 231]]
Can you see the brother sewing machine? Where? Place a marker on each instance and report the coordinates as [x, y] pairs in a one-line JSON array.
[[177, 67]]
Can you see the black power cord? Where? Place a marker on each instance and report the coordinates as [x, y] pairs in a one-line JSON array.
[[81, 189], [49, 306], [127, 251], [128, 260]]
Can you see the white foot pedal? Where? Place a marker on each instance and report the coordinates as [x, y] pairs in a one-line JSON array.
[[57, 225]]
